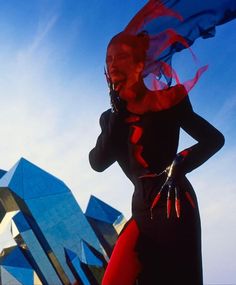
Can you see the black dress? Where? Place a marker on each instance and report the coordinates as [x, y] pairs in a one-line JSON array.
[[169, 249]]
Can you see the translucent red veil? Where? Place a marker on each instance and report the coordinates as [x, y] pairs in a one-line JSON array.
[[174, 25]]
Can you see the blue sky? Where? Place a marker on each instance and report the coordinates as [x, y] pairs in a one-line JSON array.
[[53, 91]]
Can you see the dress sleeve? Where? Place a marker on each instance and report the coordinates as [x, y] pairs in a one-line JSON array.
[[104, 153], [209, 139]]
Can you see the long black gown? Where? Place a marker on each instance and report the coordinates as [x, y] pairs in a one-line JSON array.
[[169, 249]]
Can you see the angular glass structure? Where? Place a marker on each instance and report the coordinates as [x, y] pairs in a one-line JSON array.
[[15, 269], [53, 236], [106, 221]]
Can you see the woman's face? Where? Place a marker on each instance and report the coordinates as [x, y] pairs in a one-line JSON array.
[[121, 66]]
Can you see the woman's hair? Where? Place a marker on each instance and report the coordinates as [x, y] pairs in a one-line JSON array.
[[139, 43]]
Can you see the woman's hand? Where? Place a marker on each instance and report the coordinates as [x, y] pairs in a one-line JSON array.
[[118, 105], [173, 172]]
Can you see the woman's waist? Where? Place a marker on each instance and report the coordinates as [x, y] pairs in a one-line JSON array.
[[148, 188]]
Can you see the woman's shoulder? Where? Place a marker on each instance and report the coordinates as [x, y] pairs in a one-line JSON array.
[[170, 98], [105, 116]]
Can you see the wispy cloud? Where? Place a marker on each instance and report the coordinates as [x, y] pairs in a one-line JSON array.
[[43, 30]]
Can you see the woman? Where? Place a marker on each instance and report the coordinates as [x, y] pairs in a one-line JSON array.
[[161, 244]]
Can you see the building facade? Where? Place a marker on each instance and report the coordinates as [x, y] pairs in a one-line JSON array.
[[56, 243]]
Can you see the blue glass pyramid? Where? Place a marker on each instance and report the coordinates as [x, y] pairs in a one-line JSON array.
[[7, 278], [21, 222], [101, 211], [2, 172], [17, 267], [57, 238], [14, 258], [29, 181], [74, 262], [88, 257], [22, 275]]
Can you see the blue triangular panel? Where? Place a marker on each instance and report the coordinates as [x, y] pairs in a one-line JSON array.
[[88, 257], [24, 276], [13, 179], [2, 172], [99, 210], [29, 181], [39, 183], [7, 278], [76, 264], [70, 254], [15, 259], [21, 222]]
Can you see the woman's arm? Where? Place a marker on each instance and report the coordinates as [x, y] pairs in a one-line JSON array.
[[104, 153], [209, 139]]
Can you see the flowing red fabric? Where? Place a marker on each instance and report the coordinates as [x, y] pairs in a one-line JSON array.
[[159, 100], [124, 266], [174, 25]]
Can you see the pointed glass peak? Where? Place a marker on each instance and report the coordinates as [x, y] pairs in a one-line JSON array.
[[88, 257], [99, 210]]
